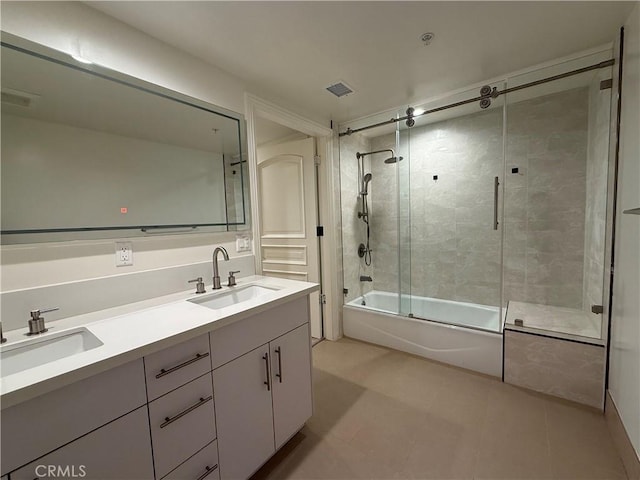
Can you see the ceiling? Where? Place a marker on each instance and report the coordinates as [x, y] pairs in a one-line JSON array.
[[291, 51]]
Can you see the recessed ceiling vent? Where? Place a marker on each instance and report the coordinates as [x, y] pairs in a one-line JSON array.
[[18, 98], [340, 89]]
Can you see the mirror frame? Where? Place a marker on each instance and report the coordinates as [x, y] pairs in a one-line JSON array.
[[138, 231]]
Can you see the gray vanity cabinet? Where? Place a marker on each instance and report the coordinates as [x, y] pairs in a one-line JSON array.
[[169, 415], [172, 367], [37, 427], [292, 397], [181, 408], [121, 449], [244, 414], [201, 466], [263, 397], [182, 422]]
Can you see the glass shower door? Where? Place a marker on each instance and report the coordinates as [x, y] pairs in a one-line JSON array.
[[454, 176], [369, 203], [556, 200]]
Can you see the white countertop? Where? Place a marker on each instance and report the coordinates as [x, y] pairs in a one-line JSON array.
[[132, 331]]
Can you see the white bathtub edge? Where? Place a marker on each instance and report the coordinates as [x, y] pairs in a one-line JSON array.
[[471, 349]]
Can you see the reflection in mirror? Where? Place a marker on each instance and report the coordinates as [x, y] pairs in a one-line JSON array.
[[91, 153]]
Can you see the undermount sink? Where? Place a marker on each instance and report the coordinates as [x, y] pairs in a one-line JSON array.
[[232, 297], [37, 351]]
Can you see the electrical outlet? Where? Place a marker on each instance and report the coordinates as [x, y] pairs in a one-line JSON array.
[[243, 243], [124, 254]]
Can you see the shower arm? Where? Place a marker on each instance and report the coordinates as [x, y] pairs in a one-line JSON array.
[[361, 155]]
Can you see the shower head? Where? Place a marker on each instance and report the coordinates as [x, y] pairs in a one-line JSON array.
[[365, 184], [393, 159]]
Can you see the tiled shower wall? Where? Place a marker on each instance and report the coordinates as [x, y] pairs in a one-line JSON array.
[[353, 228], [545, 201]]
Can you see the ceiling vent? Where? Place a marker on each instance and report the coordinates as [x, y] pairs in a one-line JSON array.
[[340, 89]]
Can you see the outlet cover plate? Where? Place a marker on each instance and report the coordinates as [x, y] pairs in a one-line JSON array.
[[243, 243], [124, 254]]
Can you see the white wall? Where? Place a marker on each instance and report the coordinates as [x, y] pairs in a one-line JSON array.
[[624, 372], [64, 26], [109, 42]]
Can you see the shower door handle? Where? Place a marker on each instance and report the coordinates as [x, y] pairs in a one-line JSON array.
[[496, 184]]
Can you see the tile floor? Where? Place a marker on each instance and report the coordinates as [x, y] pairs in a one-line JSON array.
[[382, 414]]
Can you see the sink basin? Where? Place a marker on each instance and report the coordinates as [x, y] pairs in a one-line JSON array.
[[232, 297], [37, 351]]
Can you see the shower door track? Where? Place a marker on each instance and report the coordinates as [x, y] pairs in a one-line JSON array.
[[495, 94]]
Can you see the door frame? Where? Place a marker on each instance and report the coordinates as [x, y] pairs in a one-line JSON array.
[[328, 255]]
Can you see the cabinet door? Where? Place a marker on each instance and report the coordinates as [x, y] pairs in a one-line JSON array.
[[244, 418], [121, 449], [38, 426], [292, 398]]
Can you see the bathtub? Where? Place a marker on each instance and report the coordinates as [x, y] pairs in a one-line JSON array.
[[474, 342]]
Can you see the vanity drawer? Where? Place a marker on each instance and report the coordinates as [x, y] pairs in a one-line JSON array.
[[177, 365], [182, 422], [202, 466], [241, 337], [36, 427]]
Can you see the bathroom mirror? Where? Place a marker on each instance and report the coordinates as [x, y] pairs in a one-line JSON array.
[[91, 153]]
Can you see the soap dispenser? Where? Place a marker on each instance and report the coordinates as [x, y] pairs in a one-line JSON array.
[[36, 322]]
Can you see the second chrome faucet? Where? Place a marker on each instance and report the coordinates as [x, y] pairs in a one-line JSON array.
[[216, 274]]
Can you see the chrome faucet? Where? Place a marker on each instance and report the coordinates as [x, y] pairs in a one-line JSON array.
[[216, 275]]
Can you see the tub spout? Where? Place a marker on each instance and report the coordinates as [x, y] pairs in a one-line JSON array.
[[366, 278]]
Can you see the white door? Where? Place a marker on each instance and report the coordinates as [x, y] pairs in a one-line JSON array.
[[288, 216], [291, 367]]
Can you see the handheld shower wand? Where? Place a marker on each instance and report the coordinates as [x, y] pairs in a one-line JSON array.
[[365, 184]]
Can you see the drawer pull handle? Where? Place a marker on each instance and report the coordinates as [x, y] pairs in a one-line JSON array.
[[209, 470], [265, 357], [169, 420], [279, 374], [199, 356]]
